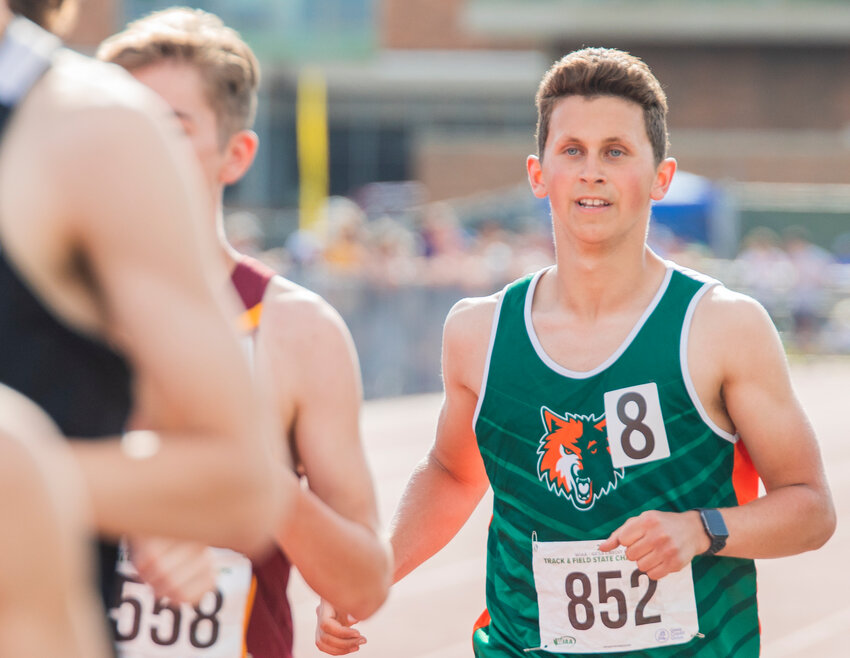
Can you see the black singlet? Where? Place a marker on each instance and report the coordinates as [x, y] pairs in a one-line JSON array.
[[81, 383]]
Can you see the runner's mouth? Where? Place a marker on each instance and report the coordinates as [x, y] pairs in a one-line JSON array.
[[593, 203]]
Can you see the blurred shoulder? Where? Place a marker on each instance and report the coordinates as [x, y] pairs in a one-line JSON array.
[[294, 312], [89, 105], [730, 312], [736, 331], [470, 321], [22, 418]]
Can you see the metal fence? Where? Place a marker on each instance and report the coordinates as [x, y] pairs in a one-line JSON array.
[[398, 330]]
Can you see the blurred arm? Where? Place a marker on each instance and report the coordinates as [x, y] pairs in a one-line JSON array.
[[333, 536], [48, 606], [131, 198]]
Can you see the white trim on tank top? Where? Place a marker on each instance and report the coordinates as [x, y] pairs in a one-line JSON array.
[[483, 388], [686, 373], [576, 374]]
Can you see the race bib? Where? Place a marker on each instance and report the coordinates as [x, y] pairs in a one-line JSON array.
[[636, 433], [145, 627], [595, 602]]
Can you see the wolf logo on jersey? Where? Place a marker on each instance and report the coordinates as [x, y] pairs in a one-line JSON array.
[[575, 460]]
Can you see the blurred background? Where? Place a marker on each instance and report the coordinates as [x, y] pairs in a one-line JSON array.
[[391, 173]]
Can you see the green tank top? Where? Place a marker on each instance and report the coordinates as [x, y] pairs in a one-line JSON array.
[[543, 434]]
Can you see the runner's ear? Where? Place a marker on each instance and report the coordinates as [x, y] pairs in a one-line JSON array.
[[240, 151]]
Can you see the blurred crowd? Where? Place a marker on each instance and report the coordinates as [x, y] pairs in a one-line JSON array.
[[372, 267], [427, 246], [804, 287]]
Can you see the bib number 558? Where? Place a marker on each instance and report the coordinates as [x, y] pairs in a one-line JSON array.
[[165, 620]]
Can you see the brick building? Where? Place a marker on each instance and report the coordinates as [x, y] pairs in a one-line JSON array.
[[758, 89]]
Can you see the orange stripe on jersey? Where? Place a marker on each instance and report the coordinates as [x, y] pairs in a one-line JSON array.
[[249, 605], [745, 478], [249, 320], [482, 621]]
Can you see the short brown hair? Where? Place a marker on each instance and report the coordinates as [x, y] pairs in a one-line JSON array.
[[49, 14], [228, 67], [604, 72]]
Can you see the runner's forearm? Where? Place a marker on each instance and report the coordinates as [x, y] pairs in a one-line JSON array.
[[432, 510], [216, 501], [786, 521], [343, 561]]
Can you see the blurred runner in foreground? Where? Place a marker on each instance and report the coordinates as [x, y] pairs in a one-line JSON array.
[[209, 78]]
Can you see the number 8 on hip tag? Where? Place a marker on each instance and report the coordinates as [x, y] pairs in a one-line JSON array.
[[636, 433]]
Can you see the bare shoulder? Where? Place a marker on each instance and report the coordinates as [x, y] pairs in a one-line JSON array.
[[83, 123], [466, 340], [471, 319], [729, 314], [298, 315], [735, 332], [80, 99], [21, 417], [473, 315], [81, 116], [301, 338]]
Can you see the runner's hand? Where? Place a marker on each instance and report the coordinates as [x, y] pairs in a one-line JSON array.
[[334, 633], [660, 542], [181, 571]]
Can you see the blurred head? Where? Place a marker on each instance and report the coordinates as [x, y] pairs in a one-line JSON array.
[[53, 15], [594, 72], [796, 236], [761, 237], [227, 66], [208, 76]]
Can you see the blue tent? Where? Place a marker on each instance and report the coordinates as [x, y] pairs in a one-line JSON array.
[[688, 207]]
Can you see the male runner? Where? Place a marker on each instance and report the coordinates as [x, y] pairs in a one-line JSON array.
[[109, 297], [209, 77], [48, 605], [621, 408]]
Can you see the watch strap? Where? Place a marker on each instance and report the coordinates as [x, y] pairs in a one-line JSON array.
[[712, 517]]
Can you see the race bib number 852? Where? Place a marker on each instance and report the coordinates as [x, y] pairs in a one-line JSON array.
[[596, 602]]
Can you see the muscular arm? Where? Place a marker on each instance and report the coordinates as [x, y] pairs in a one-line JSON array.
[[741, 376], [333, 536], [126, 201], [796, 514], [449, 482]]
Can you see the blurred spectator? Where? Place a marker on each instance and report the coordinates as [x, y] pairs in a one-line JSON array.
[[345, 243], [765, 272], [837, 330], [663, 241], [304, 247], [244, 232], [393, 254], [841, 248], [810, 286]]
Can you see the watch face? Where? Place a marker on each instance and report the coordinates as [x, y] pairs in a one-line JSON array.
[[714, 523]]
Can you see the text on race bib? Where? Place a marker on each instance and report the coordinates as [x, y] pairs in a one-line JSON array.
[[590, 601]]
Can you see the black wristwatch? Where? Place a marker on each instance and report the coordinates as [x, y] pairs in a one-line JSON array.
[[715, 528]]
